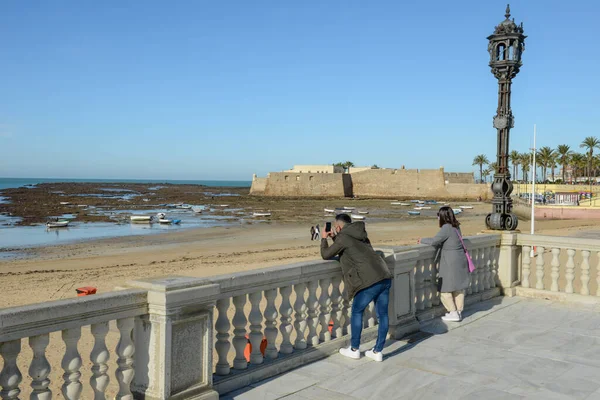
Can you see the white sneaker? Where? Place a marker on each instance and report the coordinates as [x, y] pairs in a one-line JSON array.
[[374, 356], [348, 352], [452, 316]]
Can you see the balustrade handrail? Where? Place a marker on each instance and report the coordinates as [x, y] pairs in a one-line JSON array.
[[558, 242], [37, 319]]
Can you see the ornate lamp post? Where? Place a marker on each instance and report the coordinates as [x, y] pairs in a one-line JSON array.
[[506, 45]]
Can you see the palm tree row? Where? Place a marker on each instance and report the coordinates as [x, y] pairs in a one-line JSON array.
[[581, 164]]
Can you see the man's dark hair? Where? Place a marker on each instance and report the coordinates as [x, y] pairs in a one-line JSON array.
[[447, 217], [345, 218]]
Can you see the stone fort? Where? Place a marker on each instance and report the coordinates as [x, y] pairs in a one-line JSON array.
[[334, 181]]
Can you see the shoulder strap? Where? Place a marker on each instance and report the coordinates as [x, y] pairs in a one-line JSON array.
[[461, 239]]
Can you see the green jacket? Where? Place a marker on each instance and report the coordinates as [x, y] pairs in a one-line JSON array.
[[361, 265]]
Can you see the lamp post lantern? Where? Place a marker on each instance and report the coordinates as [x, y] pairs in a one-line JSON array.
[[506, 46]]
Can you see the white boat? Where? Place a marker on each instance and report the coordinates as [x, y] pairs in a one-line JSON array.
[[165, 221], [349, 208], [396, 203], [457, 210], [363, 212], [357, 217], [161, 215], [141, 218], [82, 205], [421, 201], [184, 207], [198, 209], [57, 224], [64, 203], [418, 208], [329, 210], [414, 213], [466, 207], [426, 208], [224, 205], [261, 214], [146, 200]]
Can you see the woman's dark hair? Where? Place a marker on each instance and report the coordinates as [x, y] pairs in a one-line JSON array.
[[446, 216]]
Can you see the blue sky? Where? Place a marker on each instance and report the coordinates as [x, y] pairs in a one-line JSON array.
[[221, 90]]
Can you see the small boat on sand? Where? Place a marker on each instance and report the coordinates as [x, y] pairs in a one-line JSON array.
[[198, 209], [363, 212], [466, 207], [329, 210], [349, 208], [57, 224], [141, 218], [184, 207], [261, 214], [457, 210], [165, 221], [64, 203], [418, 208], [357, 217], [414, 213], [426, 208], [224, 205]]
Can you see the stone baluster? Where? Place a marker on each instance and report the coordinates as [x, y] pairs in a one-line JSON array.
[[239, 332], [71, 363], [336, 306], [300, 316], [428, 282], [476, 275], [285, 310], [419, 285], [481, 270], [256, 334], [99, 357], [312, 320], [39, 369], [346, 313], [555, 269], [539, 271], [434, 276], [125, 351], [10, 376], [472, 281], [222, 345], [494, 275], [324, 310], [487, 254], [271, 324], [526, 266], [570, 272], [585, 272]]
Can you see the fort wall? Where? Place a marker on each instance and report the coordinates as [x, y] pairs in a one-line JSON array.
[[290, 184]]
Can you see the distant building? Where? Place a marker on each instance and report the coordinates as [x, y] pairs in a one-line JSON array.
[[316, 169]]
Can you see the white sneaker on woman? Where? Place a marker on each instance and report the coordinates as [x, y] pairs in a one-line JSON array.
[[348, 352], [374, 356], [452, 316]]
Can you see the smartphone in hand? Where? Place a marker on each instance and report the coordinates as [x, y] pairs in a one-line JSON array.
[[328, 227]]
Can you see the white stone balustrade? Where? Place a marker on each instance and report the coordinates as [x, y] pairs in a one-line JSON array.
[[558, 260], [302, 310]]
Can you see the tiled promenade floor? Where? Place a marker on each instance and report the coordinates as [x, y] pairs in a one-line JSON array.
[[506, 348]]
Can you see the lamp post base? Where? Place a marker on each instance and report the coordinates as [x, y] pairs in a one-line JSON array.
[[501, 222]]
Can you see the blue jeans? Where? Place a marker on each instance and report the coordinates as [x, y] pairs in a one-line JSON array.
[[380, 293]]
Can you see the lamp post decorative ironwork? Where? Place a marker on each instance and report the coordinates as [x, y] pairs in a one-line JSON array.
[[506, 45]]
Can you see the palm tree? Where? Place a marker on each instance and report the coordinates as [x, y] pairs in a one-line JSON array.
[[563, 157], [515, 159], [590, 143], [481, 160], [577, 163], [525, 163], [544, 159], [553, 165], [486, 172]]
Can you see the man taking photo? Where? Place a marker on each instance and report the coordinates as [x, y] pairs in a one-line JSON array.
[[366, 279]]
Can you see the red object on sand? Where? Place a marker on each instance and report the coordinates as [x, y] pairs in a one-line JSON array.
[[85, 291]]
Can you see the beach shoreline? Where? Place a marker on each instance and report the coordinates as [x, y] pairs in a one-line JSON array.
[[53, 272]]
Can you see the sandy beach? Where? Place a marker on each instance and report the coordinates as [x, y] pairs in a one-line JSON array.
[[53, 273]]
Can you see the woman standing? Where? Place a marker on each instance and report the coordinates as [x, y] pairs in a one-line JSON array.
[[453, 274]]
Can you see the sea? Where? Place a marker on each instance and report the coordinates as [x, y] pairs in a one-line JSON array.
[[7, 183], [15, 238]]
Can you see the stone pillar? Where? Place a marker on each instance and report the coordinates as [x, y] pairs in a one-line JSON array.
[[174, 341], [402, 305], [508, 262]]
